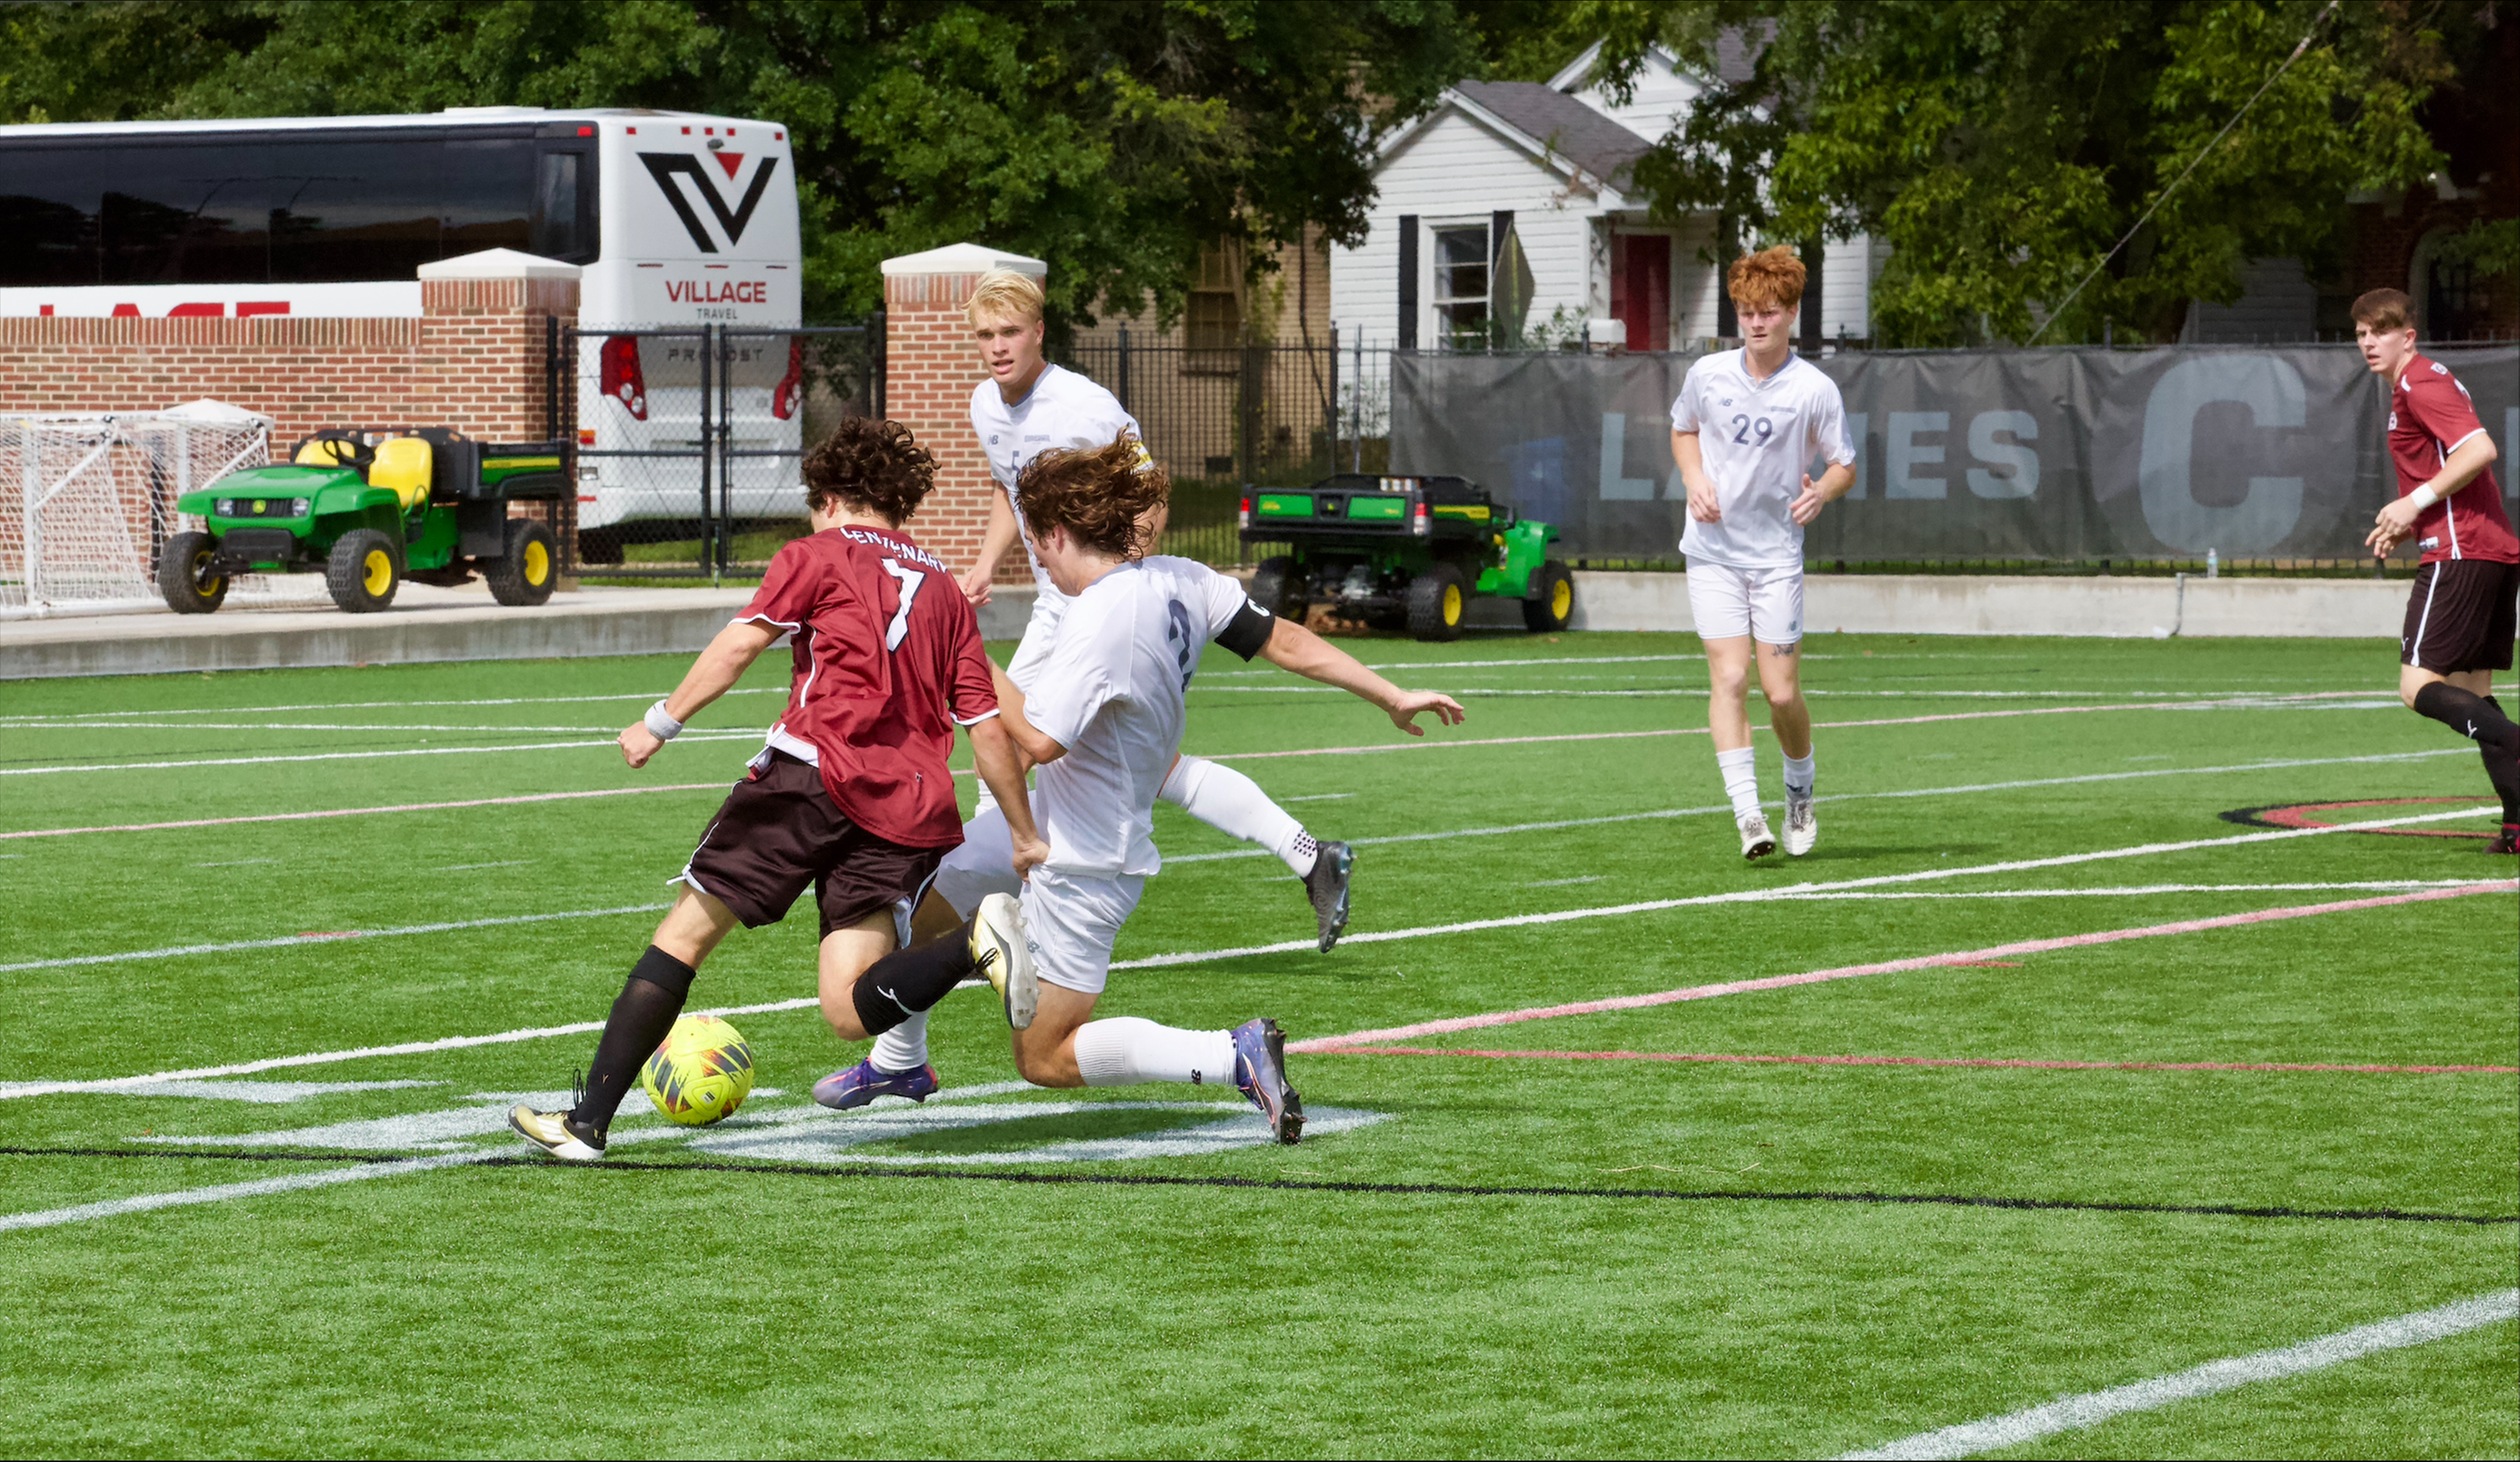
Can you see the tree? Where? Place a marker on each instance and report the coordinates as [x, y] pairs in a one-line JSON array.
[[1114, 138], [2002, 147]]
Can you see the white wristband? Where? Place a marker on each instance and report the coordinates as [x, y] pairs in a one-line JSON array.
[[660, 725], [2424, 497]]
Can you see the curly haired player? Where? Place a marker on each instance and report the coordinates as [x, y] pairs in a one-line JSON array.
[[1103, 721], [1746, 425], [2459, 616], [851, 794]]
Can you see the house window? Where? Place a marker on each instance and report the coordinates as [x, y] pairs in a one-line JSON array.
[[1213, 329], [1461, 286]]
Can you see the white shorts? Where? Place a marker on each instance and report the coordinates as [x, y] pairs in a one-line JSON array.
[[1727, 603], [1070, 919]]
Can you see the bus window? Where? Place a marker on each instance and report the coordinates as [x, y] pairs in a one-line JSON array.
[[489, 192], [181, 214], [355, 207], [48, 203], [564, 222]]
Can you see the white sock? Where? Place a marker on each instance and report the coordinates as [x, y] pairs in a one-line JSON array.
[[1799, 775], [1741, 779], [1232, 803], [1126, 1050], [904, 1047]]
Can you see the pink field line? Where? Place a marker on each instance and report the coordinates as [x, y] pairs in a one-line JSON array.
[[150, 827], [1970, 1061], [1432, 743], [1886, 967]]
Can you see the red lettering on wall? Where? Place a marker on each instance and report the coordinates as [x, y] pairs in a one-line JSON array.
[[209, 311], [247, 309]]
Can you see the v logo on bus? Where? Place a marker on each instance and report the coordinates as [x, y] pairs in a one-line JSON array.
[[662, 166]]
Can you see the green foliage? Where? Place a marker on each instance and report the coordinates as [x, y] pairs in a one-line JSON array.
[[2002, 147], [1112, 139], [2492, 245]]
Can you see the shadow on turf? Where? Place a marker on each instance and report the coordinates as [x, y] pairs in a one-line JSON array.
[[1291, 1185]]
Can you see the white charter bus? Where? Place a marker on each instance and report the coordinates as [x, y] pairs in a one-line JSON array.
[[678, 219]]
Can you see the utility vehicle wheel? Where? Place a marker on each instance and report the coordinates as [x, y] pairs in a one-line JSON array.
[[363, 571], [1268, 586], [531, 567], [1437, 603], [1552, 601], [184, 575]]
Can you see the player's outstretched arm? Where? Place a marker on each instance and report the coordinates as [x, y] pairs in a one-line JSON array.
[[995, 540], [1001, 766], [1293, 647], [2464, 465], [712, 675]]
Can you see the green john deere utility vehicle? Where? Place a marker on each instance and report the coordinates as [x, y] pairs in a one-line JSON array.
[[368, 509], [1404, 553]]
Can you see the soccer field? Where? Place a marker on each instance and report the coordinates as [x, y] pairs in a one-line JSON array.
[[2145, 1006]]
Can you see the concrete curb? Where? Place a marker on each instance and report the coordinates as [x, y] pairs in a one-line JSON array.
[[1935, 604]]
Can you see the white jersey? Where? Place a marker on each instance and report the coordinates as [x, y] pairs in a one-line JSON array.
[[1063, 412], [1112, 693], [1758, 439]]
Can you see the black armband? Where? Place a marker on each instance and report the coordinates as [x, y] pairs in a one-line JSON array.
[[1249, 630]]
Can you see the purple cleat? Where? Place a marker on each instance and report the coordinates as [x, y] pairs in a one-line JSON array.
[[1260, 1074], [843, 1090]]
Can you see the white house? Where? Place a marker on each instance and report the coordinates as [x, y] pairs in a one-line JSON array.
[[1511, 201]]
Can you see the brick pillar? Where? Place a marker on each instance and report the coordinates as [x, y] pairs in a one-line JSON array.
[[930, 368], [485, 342]]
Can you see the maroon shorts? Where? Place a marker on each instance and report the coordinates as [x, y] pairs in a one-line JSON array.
[[2460, 616], [780, 831]]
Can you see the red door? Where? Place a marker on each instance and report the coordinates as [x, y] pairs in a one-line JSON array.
[[1640, 288]]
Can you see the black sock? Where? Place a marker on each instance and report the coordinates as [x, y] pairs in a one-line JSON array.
[[642, 1016], [907, 981], [2504, 773], [2469, 714]]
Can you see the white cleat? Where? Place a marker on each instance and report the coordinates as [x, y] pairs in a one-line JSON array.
[[1756, 841], [1802, 829], [999, 951], [556, 1135]]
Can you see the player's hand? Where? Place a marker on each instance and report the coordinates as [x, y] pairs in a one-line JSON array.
[[1702, 504], [975, 584], [1405, 711], [638, 743], [1030, 853], [2397, 519], [1807, 504]]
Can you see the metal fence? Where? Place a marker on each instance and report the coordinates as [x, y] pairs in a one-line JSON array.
[[686, 444]]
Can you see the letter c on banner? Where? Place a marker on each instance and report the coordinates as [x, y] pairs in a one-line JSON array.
[[2272, 390]]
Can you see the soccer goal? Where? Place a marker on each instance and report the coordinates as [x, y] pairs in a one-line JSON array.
[[86, 501]]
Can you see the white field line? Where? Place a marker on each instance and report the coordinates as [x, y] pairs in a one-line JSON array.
[[377, 726], [2351, 700], [1663, 813], [449, 1043], [2074, 1413], [151, 827], [2137, 890], [256, 761], [292, 941], [221, 1193], [512, 700], [1758, 895]]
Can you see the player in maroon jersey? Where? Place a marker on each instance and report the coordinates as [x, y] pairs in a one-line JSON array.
[[851, 794], [2459, 619]]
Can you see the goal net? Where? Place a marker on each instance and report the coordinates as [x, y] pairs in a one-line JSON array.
[[87, 501]]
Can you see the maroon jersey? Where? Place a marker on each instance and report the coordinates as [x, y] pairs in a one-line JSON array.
[[2429, 416], [888, 662]]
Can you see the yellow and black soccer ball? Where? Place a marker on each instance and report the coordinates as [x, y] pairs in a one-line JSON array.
[[703, 1071]]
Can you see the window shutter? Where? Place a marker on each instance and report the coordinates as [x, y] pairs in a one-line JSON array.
[[1408, 281]]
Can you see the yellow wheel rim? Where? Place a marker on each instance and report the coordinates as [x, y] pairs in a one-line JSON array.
[[1452, 604], [377, 572], [205, 583], [537, 564], [1561, 599]]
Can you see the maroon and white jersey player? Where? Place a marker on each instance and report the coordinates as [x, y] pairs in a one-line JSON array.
[[2431, 416]]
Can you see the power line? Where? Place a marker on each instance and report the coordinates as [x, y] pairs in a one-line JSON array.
[[2202, 153]]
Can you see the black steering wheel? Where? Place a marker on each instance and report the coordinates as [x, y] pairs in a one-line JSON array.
[[347, 448]]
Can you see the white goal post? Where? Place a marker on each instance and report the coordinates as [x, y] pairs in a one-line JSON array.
[[86, 501]]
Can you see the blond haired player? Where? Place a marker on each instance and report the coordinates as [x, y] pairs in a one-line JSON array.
[[1745, 428]]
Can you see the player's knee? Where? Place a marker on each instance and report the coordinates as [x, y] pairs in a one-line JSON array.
[[839, 1011]]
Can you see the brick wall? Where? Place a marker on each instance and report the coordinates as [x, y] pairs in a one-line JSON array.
[[929, 370]]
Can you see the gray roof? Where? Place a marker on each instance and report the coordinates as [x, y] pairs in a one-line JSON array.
[[1562, 124]]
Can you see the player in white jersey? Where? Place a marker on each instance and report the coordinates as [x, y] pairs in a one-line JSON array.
[[1029, 406], [1744, 431], [1103, 722]]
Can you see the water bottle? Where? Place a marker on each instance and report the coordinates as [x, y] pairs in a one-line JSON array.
[[2213, 565]]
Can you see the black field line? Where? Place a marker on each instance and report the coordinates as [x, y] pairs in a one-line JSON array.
[[1366, 1189]]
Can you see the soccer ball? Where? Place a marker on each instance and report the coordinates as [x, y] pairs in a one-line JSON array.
[[703, 1071]]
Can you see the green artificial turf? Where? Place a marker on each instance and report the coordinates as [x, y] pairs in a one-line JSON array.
[[1594, 1233]]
